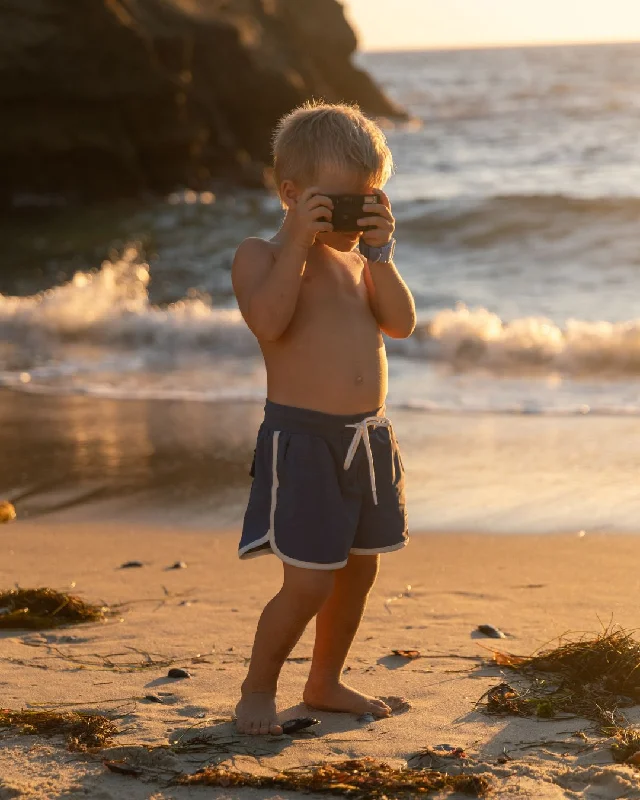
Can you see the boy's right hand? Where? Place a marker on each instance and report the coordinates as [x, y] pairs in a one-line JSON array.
[[311, 215]]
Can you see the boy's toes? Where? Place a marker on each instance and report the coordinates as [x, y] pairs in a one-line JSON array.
[[256, 714], [275, 729], [379, 709]]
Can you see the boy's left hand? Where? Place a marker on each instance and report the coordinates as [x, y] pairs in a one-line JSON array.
[[383, 222]]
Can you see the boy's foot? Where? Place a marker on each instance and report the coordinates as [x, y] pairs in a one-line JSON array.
[[339, 697], [256, 714]]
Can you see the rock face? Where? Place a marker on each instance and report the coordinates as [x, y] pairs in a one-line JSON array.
[[116, 97]]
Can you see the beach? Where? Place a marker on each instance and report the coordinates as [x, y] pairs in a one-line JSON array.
[[431, 596], [131, 391]]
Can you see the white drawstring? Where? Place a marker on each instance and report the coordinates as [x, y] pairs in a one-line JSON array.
[[362, 434]]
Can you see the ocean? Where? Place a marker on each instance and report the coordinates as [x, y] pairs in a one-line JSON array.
[[517, 199]]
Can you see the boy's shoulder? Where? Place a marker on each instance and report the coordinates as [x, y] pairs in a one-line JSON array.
[[254, 244], [254, 250]]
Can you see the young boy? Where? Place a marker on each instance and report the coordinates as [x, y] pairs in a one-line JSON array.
[[328, 482]]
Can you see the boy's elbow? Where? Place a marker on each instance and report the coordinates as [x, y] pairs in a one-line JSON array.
[[399, 333], [270, 335], [402, 330], [267, 327]]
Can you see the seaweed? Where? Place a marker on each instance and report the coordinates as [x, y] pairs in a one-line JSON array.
[[590, 678], [41, 608], [364, 778], [82, 731]]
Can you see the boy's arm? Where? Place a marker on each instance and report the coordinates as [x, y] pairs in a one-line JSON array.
[[267, 286], [390, 298]]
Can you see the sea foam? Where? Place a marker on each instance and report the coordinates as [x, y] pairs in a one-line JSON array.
[[110, 307]]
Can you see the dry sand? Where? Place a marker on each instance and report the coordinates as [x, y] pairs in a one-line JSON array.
[[533, 587]]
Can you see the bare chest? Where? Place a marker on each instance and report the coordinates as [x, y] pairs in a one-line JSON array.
[[332, 287]]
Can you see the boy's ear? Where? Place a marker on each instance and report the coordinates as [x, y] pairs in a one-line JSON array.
[[289, 193]]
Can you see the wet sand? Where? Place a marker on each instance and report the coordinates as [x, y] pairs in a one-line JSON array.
[[186, 463]]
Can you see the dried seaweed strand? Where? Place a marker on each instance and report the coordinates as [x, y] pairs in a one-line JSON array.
[[591, 678], [82, 731], [364, 778], [45, 608]]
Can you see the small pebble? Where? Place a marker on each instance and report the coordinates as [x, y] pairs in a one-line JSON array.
[[178, 565], [298, 724], [129, 564], [366, 719], [493, 633], [177, 672], [153, 698]]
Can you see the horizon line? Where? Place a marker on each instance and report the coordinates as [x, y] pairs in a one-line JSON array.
[[497, 46]]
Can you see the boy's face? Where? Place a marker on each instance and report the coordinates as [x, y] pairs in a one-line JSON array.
[[332, 179]]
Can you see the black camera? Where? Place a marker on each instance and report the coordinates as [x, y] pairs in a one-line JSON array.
[[348, 209]]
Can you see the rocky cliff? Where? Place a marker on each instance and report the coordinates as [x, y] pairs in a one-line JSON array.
[[117, 97]]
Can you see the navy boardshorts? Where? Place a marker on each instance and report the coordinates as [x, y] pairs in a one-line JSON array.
[[324, 486]]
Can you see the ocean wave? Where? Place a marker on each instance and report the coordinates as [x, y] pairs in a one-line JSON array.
[[477, 222], [468, 339], [110, 308]]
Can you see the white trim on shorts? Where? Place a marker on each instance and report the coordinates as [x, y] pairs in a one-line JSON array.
[[366, 551], [270, 536]]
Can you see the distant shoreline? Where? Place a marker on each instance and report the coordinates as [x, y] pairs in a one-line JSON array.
[[497, 46]]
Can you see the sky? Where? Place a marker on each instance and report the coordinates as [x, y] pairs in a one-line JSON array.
[[416, 24]]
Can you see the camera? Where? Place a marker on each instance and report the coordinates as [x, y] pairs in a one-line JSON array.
[[348, 209]]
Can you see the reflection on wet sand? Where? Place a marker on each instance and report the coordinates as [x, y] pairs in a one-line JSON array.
[[61, 452]]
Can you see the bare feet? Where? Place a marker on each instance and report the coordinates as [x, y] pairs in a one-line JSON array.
[[256, 714], [338, 697]]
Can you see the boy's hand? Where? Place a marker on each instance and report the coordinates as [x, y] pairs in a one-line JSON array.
[[311, 215], [384, 222]]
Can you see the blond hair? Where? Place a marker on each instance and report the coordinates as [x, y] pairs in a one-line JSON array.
[[340, 134]]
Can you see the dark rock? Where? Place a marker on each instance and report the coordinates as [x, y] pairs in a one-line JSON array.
[[176, 672], [153, 698], [120, 97], [299, 724], [178, 565], [131, 564], [491, 632]]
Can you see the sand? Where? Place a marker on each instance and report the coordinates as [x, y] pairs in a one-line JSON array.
[[535, 588]]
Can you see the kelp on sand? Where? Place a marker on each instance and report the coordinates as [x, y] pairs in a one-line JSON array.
[[364, 778], [41, 608], [81, 731], [591, 678]]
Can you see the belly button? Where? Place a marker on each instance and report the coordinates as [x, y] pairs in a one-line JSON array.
[[359, 379]]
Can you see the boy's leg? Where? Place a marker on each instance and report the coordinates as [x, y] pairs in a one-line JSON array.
[[281, 624], [336, 626]]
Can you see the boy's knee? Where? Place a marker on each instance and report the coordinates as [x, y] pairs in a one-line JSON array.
[[361, 571], [308, 588]]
